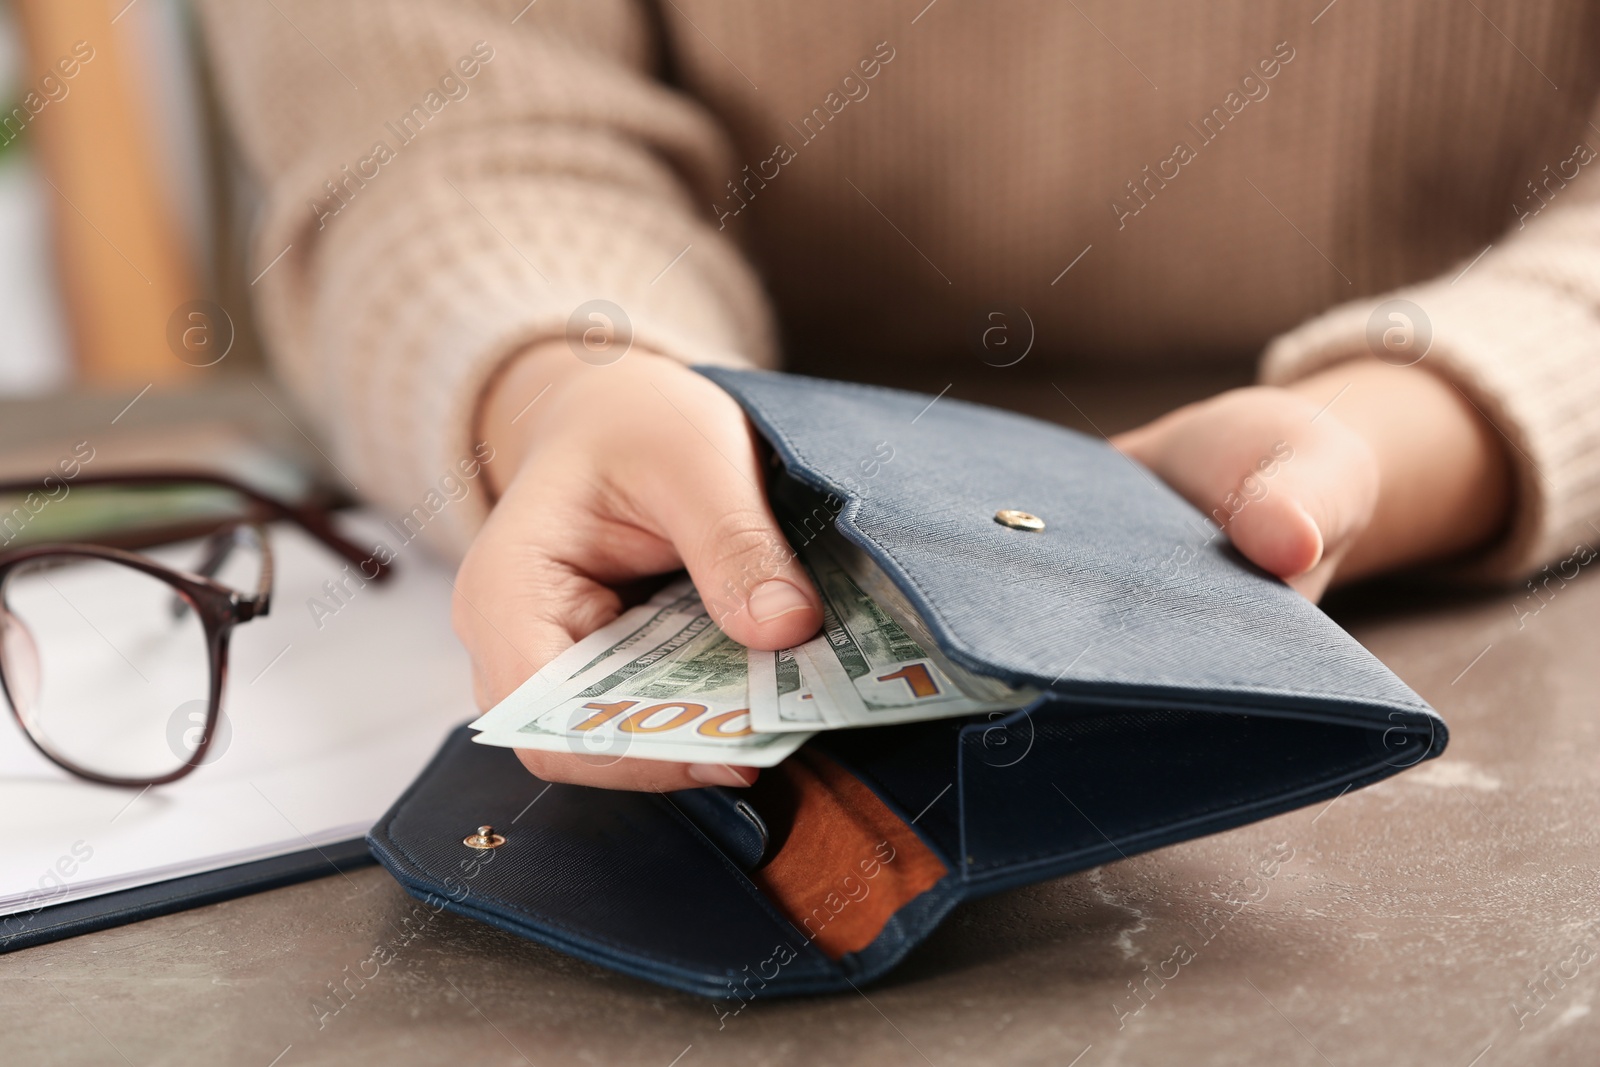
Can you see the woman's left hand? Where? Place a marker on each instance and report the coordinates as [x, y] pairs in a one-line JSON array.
[[1359, 469]]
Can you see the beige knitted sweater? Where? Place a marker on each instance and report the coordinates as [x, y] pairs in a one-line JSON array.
[[1155, 182]]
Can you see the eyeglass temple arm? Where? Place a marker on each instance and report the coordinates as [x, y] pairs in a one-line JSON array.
[[219, 549], [314, 521], [317, 523]]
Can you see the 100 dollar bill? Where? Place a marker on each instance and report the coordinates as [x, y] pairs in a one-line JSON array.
[[863, 669], [873, 671], [781, 699], [627, 631], [676, 690]]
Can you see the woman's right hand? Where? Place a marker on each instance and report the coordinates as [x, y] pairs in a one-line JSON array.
[[616, 473]]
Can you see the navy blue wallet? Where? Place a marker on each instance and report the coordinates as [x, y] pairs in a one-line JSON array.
[[1182, 692]]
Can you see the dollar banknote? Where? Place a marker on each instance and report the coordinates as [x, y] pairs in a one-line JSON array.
[[780, 699], [664, 682], [870, 579], [668, 686], [872, 671], [633, 627], [864, 668]]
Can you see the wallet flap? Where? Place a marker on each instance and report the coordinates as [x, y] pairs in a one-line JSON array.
[[1092, 605]]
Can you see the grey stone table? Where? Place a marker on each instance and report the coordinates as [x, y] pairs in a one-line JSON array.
[[1449, 917]]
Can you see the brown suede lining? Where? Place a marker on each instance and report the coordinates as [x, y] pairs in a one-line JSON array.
[[848, 862]]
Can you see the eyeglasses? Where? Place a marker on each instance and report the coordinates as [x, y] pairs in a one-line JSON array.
[[114, 661]]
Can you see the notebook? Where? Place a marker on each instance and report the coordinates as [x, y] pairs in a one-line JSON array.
[[335, 700]]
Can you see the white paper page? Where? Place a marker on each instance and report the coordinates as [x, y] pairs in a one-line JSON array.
[[331, 719]]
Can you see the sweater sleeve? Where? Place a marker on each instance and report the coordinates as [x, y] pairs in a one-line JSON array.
[[1517, 331], [447, 182]]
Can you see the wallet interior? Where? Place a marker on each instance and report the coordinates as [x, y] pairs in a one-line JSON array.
[[876, 835], [865, 822]]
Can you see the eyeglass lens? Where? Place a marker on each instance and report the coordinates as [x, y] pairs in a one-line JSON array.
[[110, 667]]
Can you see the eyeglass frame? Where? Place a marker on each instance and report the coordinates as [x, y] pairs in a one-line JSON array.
[[218, 607]]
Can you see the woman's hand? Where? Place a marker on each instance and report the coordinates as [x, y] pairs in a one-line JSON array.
[[614, 474], [1362, 468]]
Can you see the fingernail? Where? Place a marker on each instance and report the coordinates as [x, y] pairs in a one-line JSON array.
[[774, 598], [1322, 544], [721, 774]]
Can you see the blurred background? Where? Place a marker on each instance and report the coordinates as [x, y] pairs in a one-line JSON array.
[[125, 217], [126, 321], [108, 163]]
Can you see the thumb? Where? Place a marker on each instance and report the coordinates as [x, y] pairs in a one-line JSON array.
[[1303, 521], [1292, 494], [714, 512], [749, 578]]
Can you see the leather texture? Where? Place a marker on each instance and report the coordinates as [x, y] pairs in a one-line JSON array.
[[1178, 701], [1091, 605], [731, 821], [626, 880]]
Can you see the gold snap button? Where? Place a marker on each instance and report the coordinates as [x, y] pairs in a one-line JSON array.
[[1019, 520], [485, 838]]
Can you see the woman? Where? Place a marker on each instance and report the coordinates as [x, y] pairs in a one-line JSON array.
[[1391, 200]]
